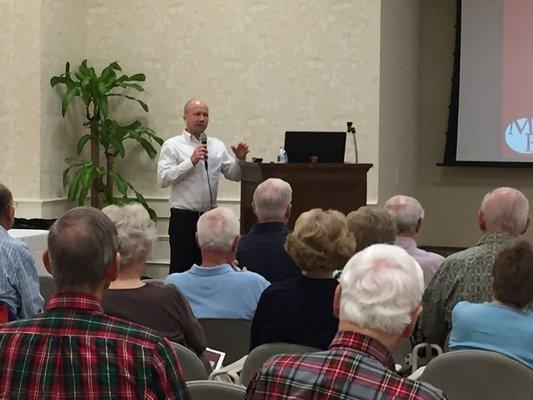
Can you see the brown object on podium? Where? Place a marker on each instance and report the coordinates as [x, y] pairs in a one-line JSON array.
[[314, 185]]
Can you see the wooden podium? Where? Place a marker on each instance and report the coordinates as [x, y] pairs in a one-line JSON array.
[[314, 185]]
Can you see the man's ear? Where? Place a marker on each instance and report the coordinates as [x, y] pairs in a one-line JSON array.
[[113, 267], [527, 224], [337, 301], [288, 211], [196, 237], [253, 209], [408, 330], [46, 262], [418, 225], [235, 244], [481, 221]]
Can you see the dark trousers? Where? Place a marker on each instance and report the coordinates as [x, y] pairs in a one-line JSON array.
[[184, 251]]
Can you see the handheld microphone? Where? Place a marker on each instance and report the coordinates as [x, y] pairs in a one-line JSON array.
[[203, 139]]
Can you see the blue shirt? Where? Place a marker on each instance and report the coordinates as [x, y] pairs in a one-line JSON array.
[[493, 327], [220, 291], [19, 282]]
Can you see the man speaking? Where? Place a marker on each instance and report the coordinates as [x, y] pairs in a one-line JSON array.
[[191, 164]]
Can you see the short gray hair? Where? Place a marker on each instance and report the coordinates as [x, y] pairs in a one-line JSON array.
[[217, 229], [5, 199], [271, 199], [81, 244], [136, 231], [371, 225], [381, 286], [406, 211], [506, 209]]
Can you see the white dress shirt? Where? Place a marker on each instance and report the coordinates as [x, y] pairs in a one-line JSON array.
[[188, 182]]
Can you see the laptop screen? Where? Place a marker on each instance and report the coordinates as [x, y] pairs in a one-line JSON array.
[[322, 147]]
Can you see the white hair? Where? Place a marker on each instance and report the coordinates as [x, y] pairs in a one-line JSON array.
[[505, 209], [381, 286], [136, 231], [217, 229], [271, 199], [405, 211]]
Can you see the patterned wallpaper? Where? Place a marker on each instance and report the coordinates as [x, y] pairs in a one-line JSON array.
[[264, 67]]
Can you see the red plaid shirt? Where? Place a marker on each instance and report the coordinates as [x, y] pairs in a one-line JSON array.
[[74, 351], [354, 367]]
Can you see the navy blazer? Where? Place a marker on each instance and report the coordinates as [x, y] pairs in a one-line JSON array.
[[262, 252]]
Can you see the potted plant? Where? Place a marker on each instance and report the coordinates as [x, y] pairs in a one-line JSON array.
[[104, 133]]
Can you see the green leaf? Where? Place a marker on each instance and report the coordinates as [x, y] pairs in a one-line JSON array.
[[134, 125], [67, 70], [137, 77], [148, 147], [58, 79], [67, 98], [142, 104], [103, 105], [122, 185], [115, 66], [132, 85], [117, 144], [81, 142], [74, 185]]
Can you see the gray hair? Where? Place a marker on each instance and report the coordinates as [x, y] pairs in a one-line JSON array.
[[381, 286], [371, 225], [505, 209], [406, 211], [136, 231], [5, 199], [81, 244], [271, 199], [217, 229]]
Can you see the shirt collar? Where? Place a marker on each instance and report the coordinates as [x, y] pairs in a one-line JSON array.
[[209, 271], [269, 227], [363, 344], [405, 241], [494, 239], [80, 301], [190, 137]]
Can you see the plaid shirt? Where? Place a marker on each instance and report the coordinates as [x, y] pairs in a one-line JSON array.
[[19, 283], [354, 367], [74, 351]]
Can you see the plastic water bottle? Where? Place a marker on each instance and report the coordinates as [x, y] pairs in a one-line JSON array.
[[282, 156]]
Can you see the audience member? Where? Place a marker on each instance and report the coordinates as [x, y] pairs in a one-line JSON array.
[[467, 275], [215, 289], [378, 302], [301, 310], [261, 250], [371, 225], [74, 350], [408, 214], [160, 307], [504, 325], [19, 283]]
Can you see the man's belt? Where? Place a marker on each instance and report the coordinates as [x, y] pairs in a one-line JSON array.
[[179, 211]]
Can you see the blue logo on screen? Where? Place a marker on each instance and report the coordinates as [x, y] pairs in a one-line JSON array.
[[519, 135]]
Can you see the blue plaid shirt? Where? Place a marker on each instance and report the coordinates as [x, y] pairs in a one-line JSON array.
[[19, 283]]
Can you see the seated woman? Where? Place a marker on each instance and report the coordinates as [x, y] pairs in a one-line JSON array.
[[506, 324], [162, 308], [300, 310]]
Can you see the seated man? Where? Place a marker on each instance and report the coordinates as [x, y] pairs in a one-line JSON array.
[[467, 275], [74, 350], [371, 225], [262, 249], [378, 302], [19, 283], [408, 214], [215, 289], [504, 325]]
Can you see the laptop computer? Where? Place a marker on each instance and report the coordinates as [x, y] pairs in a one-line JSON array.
[[322, 147]]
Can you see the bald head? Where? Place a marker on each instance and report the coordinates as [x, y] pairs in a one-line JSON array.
[[218, 230], [272, 200], [406, 212], [196, 116], [504, 210]]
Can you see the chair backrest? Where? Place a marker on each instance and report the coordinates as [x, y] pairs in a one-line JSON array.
[[479, 375], [260, 354], [231, 336], [215, 390], [192, 366], [47, 287]]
